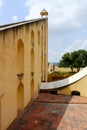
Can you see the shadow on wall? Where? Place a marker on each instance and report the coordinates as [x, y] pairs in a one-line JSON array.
[[64, 91], [74, 92], [67, 91]]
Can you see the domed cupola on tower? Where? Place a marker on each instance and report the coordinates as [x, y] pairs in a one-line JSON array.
[[43, 13]]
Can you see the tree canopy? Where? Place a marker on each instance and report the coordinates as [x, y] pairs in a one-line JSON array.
[[75, 59]]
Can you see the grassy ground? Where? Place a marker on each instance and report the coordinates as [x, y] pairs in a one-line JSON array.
[[63, 72], [59, 75]]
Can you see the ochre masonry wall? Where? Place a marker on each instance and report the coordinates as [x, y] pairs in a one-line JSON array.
[[80, 85], [60, 69], [23, 65]]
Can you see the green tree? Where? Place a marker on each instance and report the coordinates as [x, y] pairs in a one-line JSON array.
[[76, 59], [79, 59], [65, 61]]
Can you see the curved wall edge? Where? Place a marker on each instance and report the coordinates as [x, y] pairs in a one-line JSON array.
[[64, 82]]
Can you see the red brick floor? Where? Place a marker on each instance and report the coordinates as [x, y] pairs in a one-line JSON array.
[[54, 112]]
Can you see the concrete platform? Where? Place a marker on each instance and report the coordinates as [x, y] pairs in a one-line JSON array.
[[54, 112]]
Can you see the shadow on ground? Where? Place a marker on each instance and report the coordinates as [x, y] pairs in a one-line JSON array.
[[54, 112]]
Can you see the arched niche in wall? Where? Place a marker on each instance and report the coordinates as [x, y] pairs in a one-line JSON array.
[[20, 97], [42, 44], [32, 38], [41, 58], [44, 32], [45, 66], [75, 92], [42, 66], [41, 37], [32, 89], [38, 37], [20, 56], [42, 29], [32, 60]]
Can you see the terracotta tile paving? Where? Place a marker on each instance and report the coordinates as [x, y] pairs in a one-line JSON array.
[[54, 112]]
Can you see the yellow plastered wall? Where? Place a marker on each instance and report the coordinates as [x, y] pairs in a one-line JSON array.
[[57, 69], [80, 86], [15, 59]]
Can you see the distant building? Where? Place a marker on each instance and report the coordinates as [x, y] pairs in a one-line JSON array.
[[51, 68], [23, 65]]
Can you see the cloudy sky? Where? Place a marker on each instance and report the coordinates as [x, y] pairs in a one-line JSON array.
[[67, 22]]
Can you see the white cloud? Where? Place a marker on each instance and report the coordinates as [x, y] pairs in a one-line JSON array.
[[60, 12], [1, 3], [15, 18], [76, 45], [66, 17], [34, 12], [53, 55]]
